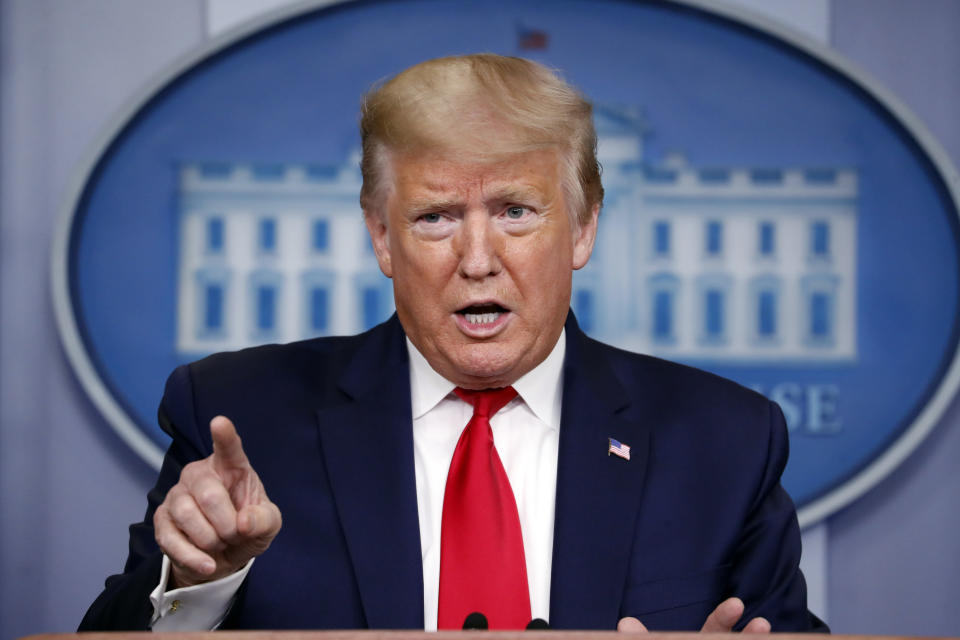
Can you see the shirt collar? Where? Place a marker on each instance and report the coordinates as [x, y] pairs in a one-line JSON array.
[[540, 388]]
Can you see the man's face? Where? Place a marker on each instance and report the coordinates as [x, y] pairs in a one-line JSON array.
[[481, 256]]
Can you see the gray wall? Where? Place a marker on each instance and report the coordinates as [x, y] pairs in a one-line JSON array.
[[894, 556], [69, 487]]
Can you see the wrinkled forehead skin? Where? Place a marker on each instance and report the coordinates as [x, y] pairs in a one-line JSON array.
[[479, 160], [480, 147]]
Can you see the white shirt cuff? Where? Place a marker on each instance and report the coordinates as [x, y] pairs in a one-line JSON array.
[[201, 607]]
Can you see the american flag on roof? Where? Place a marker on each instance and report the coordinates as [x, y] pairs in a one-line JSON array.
[[617, 448], [531, 39]]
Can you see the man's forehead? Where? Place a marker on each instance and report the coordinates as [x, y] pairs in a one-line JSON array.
[[433, 175]]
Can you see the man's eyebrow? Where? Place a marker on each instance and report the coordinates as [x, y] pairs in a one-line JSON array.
[[439, 203], [514, 193]]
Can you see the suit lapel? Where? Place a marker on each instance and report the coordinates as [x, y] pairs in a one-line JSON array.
[[367, 445], [598, 495]]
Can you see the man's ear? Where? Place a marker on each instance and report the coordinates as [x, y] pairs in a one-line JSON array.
[[584, 237], [377, 227]]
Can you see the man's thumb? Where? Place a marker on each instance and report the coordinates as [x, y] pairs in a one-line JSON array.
[[259, 521]]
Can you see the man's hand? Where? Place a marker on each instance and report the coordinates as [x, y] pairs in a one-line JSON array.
[[721, 620], [218, 516]]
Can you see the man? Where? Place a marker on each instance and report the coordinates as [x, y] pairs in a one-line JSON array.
[[481, 193]]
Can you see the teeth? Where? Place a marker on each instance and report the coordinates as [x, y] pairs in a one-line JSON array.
[[482, 318]]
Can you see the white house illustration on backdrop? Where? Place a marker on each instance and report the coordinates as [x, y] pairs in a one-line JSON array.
[[712, 263]]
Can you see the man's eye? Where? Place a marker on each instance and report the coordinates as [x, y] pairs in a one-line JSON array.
[[430, 217], [515, 213]]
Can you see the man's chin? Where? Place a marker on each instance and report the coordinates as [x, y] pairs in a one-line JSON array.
[[484, 367]]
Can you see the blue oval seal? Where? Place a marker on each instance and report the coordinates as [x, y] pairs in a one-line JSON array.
[[772, 215]]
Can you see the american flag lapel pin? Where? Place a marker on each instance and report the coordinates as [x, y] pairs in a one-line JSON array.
[[617, 448]]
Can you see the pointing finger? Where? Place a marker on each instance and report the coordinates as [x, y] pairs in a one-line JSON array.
[[227, 448]]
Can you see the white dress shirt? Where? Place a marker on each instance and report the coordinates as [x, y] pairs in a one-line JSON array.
[[526, 433]]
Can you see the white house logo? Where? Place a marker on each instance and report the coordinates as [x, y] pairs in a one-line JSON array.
[[725, 263], [273, 253], [798, 234]]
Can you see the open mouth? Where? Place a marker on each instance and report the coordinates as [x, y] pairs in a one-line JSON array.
[[481, 314]]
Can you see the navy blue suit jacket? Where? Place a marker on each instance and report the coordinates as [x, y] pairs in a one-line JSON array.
[[696, 515]]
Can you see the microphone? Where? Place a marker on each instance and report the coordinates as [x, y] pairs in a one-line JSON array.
[[537, 624], [475, 621]]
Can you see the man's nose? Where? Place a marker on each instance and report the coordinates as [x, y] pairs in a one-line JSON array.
[[478, 246]]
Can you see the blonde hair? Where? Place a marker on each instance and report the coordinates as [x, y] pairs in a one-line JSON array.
[[482, 107]]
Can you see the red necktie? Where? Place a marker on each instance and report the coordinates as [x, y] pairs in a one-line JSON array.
[[482, 567]]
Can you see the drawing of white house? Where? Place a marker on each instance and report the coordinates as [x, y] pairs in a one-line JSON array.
[[742, 264], [273, 253]]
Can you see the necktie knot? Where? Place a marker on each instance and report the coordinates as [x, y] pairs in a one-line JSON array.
[[486, 402]]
